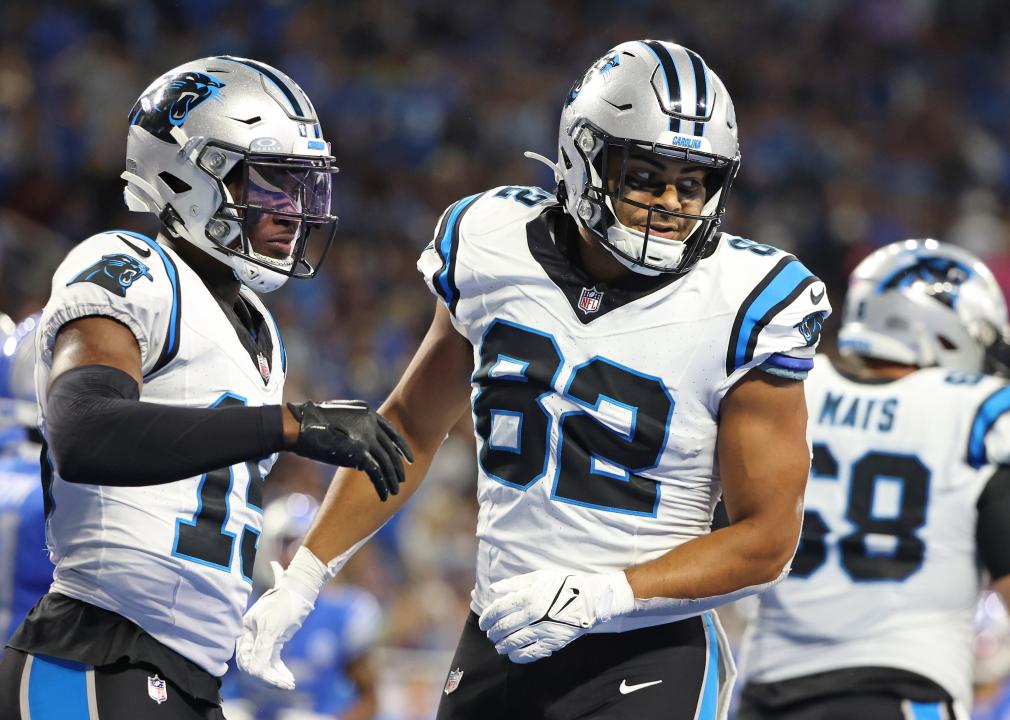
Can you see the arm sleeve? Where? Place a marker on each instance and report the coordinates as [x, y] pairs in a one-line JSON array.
[[993, 528], [778, 324], [123, 276], [101, 434]]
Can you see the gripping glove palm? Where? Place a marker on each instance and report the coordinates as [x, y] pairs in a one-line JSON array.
[[350, 434], [540, 612]]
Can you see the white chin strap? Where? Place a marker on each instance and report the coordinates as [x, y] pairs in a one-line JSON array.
[[630, 242], [257, 278]]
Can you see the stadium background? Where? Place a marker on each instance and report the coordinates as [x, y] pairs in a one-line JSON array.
[[861, 122]]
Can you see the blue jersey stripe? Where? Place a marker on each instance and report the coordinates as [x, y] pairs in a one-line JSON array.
[[448, 247], [779, 288], [991, 410], [710, 690], [171, 348], [57, 689], [787, 362]]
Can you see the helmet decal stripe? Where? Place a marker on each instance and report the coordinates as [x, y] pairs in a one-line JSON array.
[[448, 245], [701, 90], [269, 74], [670, 75], [774, 293], [994, 407]]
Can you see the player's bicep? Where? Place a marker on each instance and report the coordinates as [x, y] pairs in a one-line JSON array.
[[434, 390], [96, 341], [763, 454]]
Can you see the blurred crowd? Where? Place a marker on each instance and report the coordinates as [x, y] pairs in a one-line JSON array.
[[861, 122]]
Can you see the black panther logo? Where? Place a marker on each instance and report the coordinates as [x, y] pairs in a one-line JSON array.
[[170, 102], [941, 278], [810, 327], [604, 66], [116, 273]]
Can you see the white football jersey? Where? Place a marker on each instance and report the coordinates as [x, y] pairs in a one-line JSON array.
[[176, 559], [886, 573], [596, 407]]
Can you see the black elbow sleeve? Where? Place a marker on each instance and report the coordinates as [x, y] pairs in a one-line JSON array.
[[993, 528], [101, 433]]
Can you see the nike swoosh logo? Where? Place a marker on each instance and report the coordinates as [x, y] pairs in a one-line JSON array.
[[143, 252], [816, 298], [625, 688]]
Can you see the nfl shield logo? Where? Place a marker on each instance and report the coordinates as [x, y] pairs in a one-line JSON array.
[[453, 682], [264, 367], [589, 300], [156, 689]]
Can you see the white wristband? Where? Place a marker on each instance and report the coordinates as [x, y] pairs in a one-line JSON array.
[[305, 576]]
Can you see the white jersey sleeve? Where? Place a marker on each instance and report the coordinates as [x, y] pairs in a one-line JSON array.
[[120, 275], [778, 324]]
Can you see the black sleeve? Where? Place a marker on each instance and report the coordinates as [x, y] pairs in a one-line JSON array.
[[101, 434], [993, 529]]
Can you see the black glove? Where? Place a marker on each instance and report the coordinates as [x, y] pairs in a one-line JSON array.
[[350, 434]]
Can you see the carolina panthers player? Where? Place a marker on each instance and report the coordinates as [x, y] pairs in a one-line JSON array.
[[905, 498], [160, 375], [25, 570], [629, 362], [331, 656]]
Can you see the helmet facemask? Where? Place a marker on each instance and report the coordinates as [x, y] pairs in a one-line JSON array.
[[277, 192], [598, 203]]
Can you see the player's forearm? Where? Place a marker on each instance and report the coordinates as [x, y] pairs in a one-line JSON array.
[[350, 512], [749, 554]]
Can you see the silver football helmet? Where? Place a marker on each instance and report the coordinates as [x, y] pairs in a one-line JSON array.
[[219, 121], [647, 98], [286, 520], [925, 303]]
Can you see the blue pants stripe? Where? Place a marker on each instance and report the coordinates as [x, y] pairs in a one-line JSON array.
[[710, 690], [57, 689], [926, 711]]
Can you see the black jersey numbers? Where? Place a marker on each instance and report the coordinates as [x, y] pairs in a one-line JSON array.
[[204, 539], [616, 430], [886, 506]]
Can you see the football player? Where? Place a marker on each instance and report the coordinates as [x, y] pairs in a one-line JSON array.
[[160, 376], [625, 362], [25, 570], [905, 498]]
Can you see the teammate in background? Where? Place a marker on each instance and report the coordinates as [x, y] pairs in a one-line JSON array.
[[628, 363], [160, 375], [905, 497], [25, 570], [330, 656]]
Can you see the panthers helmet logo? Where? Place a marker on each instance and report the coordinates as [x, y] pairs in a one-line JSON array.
[[171, 101], [940, 277], [116, 273], [811, 326]]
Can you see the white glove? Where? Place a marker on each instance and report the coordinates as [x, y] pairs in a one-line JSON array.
[[277, 616], [542, 611]]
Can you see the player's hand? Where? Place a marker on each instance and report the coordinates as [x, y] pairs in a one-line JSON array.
[[542, 611], [276, 617], [350, 434]]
